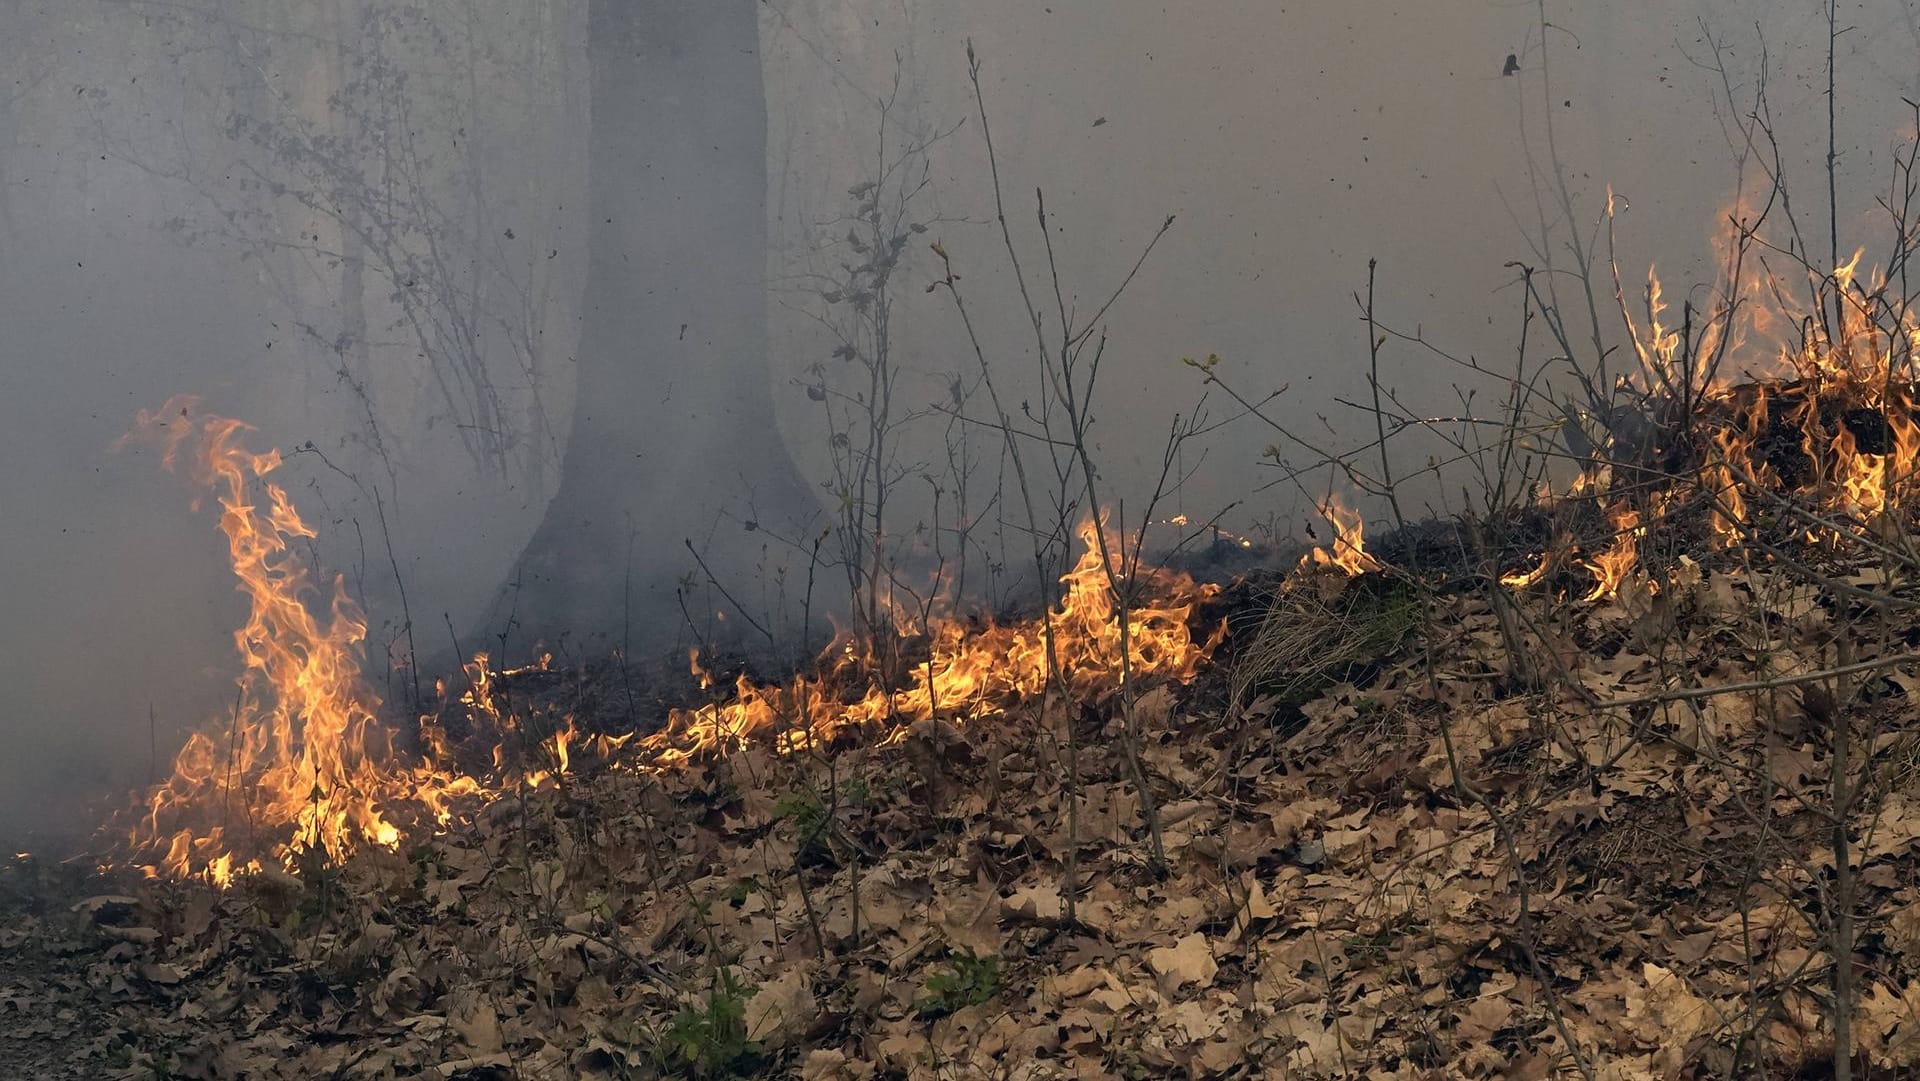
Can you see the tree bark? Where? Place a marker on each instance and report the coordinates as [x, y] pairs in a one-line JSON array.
[[674, 436]]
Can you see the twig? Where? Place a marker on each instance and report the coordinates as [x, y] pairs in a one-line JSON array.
[[715, 583], [1690, 694], [1374, 341]]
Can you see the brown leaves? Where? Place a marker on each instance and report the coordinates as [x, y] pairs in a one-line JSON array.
[[1188, 961], [782, 1009], [1342, 897]]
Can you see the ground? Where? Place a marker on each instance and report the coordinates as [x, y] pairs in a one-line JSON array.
[[42, 1032], [1436, 861]]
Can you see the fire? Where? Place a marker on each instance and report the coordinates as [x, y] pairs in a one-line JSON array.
[[1818, 439], [305, 769], [1842, 432], [1657, 347], [1528, 579], [1349, 555], [967, 673], [1801, 396], [1733, 447], [1611, 567], [296, 765]]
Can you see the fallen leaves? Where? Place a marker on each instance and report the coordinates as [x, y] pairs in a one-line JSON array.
[[1188, 961], [781, 1009], [1342, 896]]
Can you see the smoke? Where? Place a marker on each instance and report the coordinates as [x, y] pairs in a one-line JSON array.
[[381, 249], [1297, 144]]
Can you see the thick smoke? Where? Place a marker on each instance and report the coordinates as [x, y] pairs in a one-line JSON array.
[[370, 229]]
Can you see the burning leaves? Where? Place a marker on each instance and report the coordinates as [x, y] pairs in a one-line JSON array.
[[1837, 419], [968, 672], [1846, 442], [1348, 552], [300, 764], [1332, 906], [1357, 888], [1820, 450], [1610, 568], [304, 768]]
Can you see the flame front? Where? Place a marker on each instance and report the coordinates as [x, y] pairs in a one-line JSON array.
[[1837, 427], [968, 672], [296, 768], [304, 768], [1788, 420], [1528, 579]]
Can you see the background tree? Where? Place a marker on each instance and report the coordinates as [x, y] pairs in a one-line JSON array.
[[674, 436]]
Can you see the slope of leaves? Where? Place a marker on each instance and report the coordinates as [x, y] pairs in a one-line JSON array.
[[1447, 871]]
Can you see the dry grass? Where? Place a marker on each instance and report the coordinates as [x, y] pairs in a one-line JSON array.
[[1317, 627]]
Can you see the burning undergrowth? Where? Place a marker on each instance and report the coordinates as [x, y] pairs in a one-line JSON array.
[[1523, 831], [1613, 782], [306, 769], [1814, 458]]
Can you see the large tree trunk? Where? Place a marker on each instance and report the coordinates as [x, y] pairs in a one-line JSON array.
[[674, 428]]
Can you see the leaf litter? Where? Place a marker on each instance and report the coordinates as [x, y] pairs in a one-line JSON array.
[[1426, 869]]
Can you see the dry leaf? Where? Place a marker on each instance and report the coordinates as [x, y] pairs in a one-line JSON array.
[[1033, 903], [781, 1009], [1188, 961], [480, 1028]]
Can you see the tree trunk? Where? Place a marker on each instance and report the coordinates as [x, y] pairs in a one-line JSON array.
[[673, 434]]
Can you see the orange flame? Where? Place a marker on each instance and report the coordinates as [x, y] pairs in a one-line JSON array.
[[303, 767], [295, 765], [1528, 579], [1349, 555], [1830, 418], [968, 673], [1734, 447], [1611, 567]]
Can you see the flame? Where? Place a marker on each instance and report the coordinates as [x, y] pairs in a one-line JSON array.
[[968, 672], [561, 759], [1528, 579], [1733, 446], [1828, 415], [296, 762], [303, 768], [1611, 567], [1657, 346], [1349, 555], [1857, 431]]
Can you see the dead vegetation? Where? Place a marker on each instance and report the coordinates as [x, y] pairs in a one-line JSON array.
[[1607, 775], [1422, 871]]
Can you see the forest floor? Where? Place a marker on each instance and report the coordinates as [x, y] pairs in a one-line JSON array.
[[1470, 853]]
